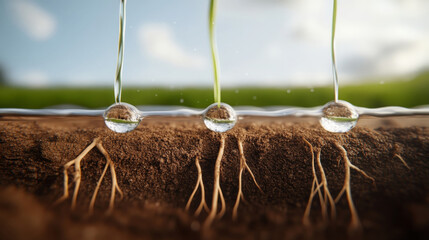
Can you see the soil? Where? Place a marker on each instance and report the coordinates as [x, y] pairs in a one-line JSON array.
[[155, 167]]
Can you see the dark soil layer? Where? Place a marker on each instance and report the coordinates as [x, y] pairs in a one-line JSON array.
[[155, 167]]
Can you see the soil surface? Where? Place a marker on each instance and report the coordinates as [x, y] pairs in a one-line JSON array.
[[155, 168]]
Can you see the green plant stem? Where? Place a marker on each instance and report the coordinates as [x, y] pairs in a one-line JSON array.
[[334, 65], [120, 63], [212, 21]]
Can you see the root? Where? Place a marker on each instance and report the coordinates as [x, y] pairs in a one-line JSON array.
[[217, 191], [355, 222], [200, 183], [327, 194], [316, 188], [78, 176], [243, 167], [402, 160]]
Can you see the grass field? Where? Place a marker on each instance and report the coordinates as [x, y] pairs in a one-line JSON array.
[[406, 93]]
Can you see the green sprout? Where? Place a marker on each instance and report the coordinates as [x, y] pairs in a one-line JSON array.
[[212, 21], [120, 63], [334, 65]]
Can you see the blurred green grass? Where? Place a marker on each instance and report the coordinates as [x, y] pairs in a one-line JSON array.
[[401, 92]]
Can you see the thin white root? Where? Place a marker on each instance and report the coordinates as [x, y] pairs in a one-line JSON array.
[[243, 167], [216, 189], [78, 176], [355, 222], [316, 188], [200, 183], [402, 160]]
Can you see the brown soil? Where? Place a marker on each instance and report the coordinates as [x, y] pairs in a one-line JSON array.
[[155, 167]]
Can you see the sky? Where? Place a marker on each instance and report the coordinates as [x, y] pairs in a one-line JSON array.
[[260, 42]]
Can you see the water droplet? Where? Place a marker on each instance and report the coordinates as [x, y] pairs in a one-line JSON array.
[[156, 94], [312, 90], [288, 91], [182, 100], [122, 117], [219, 118], [339, 117]]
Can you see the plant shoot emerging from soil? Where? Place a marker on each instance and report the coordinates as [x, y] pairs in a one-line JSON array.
[[334, 64], [213, 46], [121, 117], [338, 116], [78, 175], [120, 62]]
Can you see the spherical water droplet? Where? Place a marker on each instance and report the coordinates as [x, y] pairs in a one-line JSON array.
[[122, 117], [339, 117], [219, 118]]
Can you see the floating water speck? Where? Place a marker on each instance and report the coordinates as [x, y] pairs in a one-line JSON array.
[[339, 117], [219, 118], [122, 117]]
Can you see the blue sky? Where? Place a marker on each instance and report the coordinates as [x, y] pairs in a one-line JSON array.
[[261, 42]]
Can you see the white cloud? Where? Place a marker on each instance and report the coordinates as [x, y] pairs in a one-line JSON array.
[[33, 20], [406, 59], [32, 78], [158, 41]]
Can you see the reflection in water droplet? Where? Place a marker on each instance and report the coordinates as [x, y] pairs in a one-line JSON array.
[[339, 117], [122, 117], [219, 118]]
